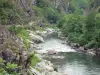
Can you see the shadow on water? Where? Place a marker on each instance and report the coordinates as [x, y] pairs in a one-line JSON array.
[[96, 59]]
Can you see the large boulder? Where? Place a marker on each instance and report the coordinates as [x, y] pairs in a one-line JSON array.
[[36, 38]]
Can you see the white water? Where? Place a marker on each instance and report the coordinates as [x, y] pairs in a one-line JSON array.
[[54, 44]]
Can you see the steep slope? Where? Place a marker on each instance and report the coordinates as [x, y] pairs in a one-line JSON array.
[[16, 11], [95, 5]]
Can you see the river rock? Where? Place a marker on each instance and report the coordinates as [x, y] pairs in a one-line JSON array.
[[50, 30], [51, 52], [58, 57]]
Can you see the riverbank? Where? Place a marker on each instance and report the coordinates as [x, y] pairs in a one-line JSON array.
[[77, 47]]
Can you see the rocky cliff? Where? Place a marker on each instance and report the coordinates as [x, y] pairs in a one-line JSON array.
[[62, 5], [93, 6]]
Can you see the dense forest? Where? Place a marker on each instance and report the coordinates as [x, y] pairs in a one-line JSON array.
[[78, 20]]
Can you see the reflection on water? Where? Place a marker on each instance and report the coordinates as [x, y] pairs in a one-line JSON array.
[[76, 64]]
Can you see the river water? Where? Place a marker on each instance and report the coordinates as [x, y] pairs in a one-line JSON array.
[[68, 60]]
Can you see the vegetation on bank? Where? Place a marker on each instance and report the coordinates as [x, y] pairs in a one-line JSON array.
[[10, 68], [84, 30]]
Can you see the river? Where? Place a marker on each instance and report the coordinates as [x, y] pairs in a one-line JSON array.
[[68, 60]]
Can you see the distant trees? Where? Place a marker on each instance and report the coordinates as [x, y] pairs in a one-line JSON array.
[[45, 9], [80, 5]]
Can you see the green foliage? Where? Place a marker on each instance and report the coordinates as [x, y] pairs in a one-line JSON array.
[[72, 26], [9, 69], [39, 11], [1, 60], [11, 66]]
